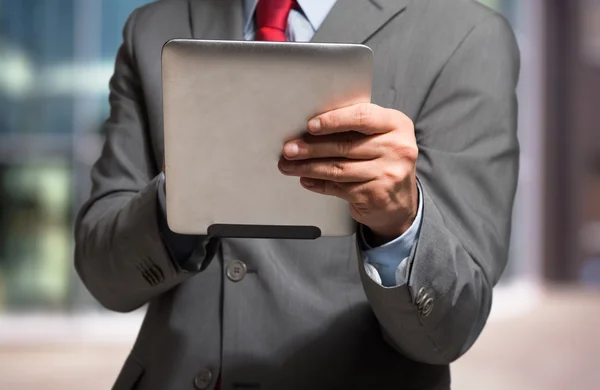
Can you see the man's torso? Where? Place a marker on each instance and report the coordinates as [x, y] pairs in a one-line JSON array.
[[299, 318]]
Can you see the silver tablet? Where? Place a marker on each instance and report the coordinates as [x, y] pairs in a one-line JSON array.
[[229, 107]]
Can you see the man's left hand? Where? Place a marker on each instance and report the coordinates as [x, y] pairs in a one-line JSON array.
[[365, 154]]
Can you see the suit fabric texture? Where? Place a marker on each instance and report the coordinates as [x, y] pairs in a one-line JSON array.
[[306, 315]]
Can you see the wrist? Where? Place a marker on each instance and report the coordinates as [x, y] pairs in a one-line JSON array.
[[378, 236], [398, 223]]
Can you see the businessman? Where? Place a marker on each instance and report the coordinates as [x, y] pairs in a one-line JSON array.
[[429, 171]]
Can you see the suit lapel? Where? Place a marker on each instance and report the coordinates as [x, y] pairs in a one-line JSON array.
[[355, 21], [216, 19], [350, 21]]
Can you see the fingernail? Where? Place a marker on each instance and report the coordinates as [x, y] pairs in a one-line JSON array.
[[286, 167], [314, 125], [291, 149], [309, 182]]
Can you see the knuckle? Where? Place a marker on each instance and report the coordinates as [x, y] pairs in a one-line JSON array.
[[330, 120], [345, 147], [403, 121], [337, 169], [414, 156], [410, 152], [407, 123], [390, 144], [363, 115], [402, 148], [396, 175]]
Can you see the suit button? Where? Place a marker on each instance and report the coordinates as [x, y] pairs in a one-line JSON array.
[[202, 379], [236, 271], [427, 307], [424, 303]]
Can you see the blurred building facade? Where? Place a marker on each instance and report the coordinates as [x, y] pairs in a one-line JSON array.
[[56, 57], [572, 135]]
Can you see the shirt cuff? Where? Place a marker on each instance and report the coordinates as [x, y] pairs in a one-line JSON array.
[[387, 264]]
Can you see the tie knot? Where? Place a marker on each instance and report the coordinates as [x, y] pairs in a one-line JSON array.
[[271, 19]]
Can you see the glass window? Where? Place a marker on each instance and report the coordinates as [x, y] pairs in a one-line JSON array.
[[525, 250], [56, 58], [35, 235]]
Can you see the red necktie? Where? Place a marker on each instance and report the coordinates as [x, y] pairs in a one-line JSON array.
[[271, 19]]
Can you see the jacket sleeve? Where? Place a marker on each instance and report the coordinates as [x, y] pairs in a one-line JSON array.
[[120, 253], [467, 167]]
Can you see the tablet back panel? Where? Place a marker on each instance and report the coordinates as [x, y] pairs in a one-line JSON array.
[[229, 106]]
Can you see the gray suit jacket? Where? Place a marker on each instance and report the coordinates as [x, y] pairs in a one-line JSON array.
[[306, 316]]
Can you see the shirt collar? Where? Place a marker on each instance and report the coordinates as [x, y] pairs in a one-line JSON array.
[[315, 10]]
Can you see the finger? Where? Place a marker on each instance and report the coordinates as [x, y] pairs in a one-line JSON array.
[[353, 146], [350, 192], [338, 170], [324, 187], [365, 118]]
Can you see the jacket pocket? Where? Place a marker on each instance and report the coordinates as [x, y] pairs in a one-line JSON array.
[[130, 375]]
